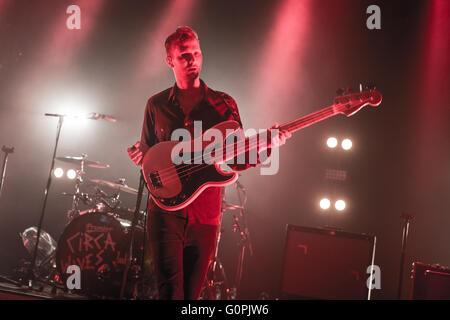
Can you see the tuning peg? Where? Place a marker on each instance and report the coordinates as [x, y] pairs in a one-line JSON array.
[[340, 91]]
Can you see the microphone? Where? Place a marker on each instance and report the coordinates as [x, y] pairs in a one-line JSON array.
[[90, 116], [98, 116]]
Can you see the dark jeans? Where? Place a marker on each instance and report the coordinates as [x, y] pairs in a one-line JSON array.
[[181, 253]]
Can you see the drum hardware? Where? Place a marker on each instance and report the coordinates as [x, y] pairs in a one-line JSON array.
[[102, 202], [110, 202], [216, 289], [119, 185], [78, 180], [226, 206], [81, 161], [132, 260], [83, 197], [216, 286], [104, 273]]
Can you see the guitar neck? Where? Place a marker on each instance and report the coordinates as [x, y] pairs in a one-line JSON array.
[[297, 124], [310, 119], [254, 141]]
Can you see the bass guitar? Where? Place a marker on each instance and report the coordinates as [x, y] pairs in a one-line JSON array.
[[174, 185]]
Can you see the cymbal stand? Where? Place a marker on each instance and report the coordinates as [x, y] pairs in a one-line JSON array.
[[74, 211], [131, 260], [101, 200], [216, 284], [215, 288], [115, 202], [244, 242]]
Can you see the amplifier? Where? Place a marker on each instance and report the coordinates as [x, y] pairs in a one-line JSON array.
[[323, 263], [430, 282]]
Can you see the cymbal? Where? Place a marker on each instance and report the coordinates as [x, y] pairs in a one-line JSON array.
[[226, 206], [126, 213], [113, 185], [88, 163]]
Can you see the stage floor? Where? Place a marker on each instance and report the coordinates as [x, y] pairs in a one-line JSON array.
[[9, 291]]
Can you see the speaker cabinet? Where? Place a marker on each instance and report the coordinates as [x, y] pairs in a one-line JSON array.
[[323, 263], [430, 282]]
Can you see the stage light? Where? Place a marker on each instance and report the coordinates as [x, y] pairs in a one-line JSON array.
[[71, 174], [58, 172], [332, 142], [346, 144], [325, 204], [340, 205]]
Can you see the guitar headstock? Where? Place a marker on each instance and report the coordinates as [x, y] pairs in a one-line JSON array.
[[351, 103]]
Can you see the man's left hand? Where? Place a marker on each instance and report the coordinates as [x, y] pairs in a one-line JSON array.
[[280, 139]]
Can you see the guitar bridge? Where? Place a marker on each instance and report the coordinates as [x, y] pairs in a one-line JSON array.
[[155, 179]]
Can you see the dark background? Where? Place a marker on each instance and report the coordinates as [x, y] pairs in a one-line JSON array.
[[400, 161]]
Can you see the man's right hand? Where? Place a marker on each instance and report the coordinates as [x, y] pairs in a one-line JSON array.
[[137, 152]]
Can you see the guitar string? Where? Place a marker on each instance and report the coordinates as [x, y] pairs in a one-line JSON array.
[[196, 167], [295, 125], [239, 151]]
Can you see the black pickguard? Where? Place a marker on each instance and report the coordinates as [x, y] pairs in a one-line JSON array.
[[192, 177]]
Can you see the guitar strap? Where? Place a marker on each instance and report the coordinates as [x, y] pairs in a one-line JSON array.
[[229, 103]]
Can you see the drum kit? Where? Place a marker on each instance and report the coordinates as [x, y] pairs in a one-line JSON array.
[[95, 239], [107, 241]]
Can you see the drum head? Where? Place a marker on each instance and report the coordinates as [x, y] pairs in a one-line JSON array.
[[95, 242]]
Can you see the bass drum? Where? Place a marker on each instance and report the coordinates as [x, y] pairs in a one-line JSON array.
[[97, 243]]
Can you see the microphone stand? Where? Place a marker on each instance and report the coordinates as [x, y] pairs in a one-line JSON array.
[[31, 275], [7, 151], [131, 259], [407, 218]]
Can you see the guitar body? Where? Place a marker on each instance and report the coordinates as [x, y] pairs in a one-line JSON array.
[[173, 187]]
